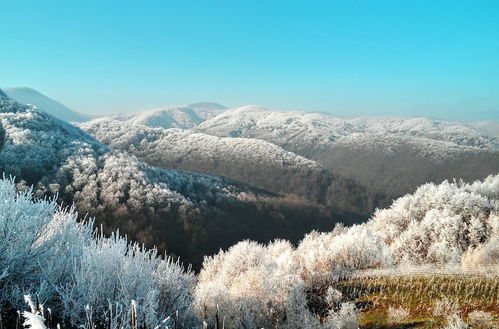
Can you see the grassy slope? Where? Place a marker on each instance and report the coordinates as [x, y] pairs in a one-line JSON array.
[[418, 293]]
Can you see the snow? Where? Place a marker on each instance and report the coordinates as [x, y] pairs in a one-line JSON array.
[[303, 128], [181, 144], [183, 117]]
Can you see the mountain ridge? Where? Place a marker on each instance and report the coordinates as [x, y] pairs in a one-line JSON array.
[[25, 95]]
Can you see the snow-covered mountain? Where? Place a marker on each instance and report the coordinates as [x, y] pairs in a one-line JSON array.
[[182, 117], [253, 161], [388, 156], [33, 97], [302, 129], [207, 110], [488, 128], [188, 214]]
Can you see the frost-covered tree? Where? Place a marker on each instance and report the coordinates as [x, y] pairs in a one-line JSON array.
[[253, 285], [441, 223], [343, 250]]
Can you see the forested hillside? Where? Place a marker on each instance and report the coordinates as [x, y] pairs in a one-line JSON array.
[[256, 162], [182, 117], [387, 156], [184, 213]]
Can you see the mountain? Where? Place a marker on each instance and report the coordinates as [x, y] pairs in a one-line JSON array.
[[187, 214], [302, 129], [253, 161], [207, 110], [387, 156], [488, 128], [2, 93], [31, 96], [182, 117]]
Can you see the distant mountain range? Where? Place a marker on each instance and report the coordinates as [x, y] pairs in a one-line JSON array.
[[30, 96], [387, 156]]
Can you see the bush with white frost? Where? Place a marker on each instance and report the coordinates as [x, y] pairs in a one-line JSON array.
[[45, 252], [445, 307], [38, 244], [450, 223], [113, 272], [342, 250], [252, 285]]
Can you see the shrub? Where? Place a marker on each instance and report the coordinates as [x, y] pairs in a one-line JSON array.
[[45, 251]]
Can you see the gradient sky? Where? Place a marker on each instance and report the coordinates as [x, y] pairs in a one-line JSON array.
[[348, 58]]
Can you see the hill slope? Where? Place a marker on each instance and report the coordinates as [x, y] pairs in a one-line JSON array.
[[185, 213], [256, 162], [302, 129], [31, 96], [388, 156], [183, 117]]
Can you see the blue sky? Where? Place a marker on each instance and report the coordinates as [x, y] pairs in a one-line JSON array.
[[411, 58]]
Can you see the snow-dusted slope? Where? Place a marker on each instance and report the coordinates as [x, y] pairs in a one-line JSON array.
[[182, 117], [253, 161], [207, 110], [31, 96], [185, 213], [389, 156], [302, 129], [488, 128], [397, 164]]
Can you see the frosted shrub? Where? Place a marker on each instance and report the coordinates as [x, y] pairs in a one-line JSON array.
[[38, 244], [450, 223], [345, 318], [112, 272], [45, 251], [322, 254], [486, 254], [252, 285], [333, 296], [247, 286]]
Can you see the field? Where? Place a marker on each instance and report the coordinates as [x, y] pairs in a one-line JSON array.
[[424, 297]]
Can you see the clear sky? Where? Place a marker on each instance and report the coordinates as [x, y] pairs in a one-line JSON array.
[[431, 58]]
